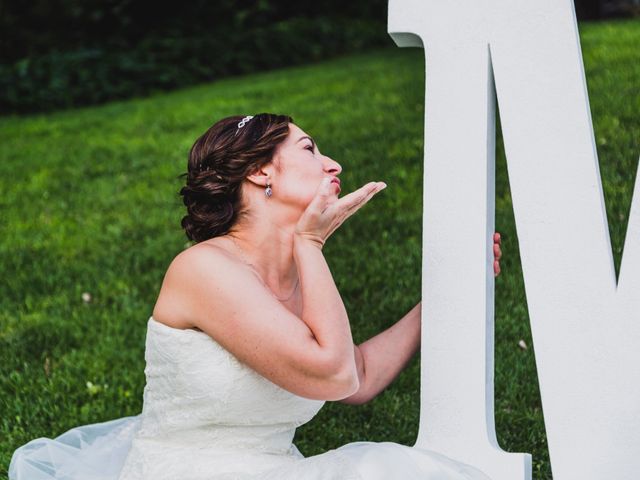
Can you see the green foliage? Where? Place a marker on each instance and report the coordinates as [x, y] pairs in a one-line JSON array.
[[90, 205], [38, 27], [97, 69]]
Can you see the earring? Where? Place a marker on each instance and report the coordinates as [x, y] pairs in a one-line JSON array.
[[267, 191]]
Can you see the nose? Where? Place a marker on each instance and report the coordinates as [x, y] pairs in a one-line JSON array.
[[332, 166]]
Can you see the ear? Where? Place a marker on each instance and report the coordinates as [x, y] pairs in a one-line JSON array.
[[262, 176]]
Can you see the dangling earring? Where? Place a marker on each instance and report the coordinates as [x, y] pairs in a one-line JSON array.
[[267, 191]]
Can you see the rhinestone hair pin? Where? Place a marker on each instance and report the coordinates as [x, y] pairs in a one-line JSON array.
[[244, 121]]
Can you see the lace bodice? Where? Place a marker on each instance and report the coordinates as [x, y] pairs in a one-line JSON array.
[[199, 396]]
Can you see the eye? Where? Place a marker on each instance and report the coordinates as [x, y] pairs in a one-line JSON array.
[[309, 147]]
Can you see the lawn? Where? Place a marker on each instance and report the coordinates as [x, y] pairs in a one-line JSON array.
[[90, 206]]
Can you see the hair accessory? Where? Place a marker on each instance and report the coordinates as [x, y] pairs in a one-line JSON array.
[[267, 191], [244, 121]]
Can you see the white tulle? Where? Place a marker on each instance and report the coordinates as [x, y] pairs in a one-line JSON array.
[[207, 416]]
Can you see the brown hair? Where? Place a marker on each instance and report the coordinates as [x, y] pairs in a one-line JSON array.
[[219, 161]]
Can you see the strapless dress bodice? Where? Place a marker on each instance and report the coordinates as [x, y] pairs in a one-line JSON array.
[[199, 393]]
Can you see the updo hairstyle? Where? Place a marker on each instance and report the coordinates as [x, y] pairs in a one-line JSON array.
[[218, 163]]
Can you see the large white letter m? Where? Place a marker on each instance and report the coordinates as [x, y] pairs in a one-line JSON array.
[[585, 325]]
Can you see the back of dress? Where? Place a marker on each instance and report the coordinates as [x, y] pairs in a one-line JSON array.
[[202, 406]]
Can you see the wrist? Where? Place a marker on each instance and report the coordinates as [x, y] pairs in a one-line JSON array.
[[301, 239]]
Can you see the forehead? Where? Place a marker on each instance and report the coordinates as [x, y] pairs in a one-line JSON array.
[[295, 132]]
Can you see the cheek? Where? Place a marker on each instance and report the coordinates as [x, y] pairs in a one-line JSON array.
[[305, 188], [301, 183]]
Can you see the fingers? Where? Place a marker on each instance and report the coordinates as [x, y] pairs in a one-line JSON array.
[[497, 253], [366, 195], [360, 197], [327, 213], [347, 204], [324, 191]]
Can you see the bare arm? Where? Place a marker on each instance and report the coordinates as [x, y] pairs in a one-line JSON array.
[[380, 359], [323, 310], [225, 299]]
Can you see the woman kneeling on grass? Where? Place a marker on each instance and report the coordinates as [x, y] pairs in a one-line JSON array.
[[249, 336]]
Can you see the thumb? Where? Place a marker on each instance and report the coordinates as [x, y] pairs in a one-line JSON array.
[[324, 189], [325, 186], [322, 193]]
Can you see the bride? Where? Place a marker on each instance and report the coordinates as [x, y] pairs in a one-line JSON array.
[[249, 336]]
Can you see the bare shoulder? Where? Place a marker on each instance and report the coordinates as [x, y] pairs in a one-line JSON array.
[[208, 288], [190, 274], [207, 252]]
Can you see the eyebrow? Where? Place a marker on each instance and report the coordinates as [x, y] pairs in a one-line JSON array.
[[312, 141]]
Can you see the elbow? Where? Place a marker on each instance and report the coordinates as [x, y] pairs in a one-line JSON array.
[[355, 399], [344, 386], [357, 395], [350, 384], [343, 382], [335, 378]]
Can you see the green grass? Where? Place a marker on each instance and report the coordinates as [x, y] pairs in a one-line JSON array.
[[89, 204]]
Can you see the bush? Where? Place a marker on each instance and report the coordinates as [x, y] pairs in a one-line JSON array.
[[93, 75]]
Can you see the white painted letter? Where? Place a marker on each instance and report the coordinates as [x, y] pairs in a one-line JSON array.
[[586, 330]]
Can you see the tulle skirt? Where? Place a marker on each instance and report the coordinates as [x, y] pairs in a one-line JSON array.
[[98, 452], [95, 451]]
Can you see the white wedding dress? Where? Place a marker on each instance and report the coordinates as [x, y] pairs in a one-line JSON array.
[[206, 416]]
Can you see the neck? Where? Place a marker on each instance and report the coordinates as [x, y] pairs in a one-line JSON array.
[[268, 246]]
